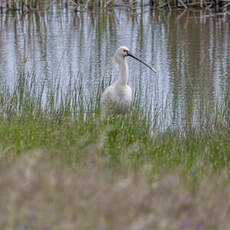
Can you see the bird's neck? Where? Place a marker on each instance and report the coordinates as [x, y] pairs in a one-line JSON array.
[[124, 73]]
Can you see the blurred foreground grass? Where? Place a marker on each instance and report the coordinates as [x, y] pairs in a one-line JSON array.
[[62, 168], [39, 193]]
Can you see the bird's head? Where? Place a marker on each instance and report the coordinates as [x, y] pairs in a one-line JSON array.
[[123, 52], [120, 54]]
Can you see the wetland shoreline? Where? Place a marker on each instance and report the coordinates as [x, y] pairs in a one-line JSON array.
[[26, 6]]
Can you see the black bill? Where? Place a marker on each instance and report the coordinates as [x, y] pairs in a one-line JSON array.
[[153, 69]]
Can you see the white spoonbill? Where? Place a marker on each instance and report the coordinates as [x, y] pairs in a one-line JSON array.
[[118, 96]]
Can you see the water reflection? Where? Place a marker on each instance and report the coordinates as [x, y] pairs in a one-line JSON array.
[[189, 49]]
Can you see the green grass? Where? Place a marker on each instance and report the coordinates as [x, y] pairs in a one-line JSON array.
[[58, 157], [33, 116]]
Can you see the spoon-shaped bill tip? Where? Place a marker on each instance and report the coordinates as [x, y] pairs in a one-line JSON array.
[[154, 70]]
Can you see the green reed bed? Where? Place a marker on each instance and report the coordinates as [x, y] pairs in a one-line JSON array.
[[43, 115], [64, 168]]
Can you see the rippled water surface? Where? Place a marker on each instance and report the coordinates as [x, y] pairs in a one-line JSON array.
[[189, 49]]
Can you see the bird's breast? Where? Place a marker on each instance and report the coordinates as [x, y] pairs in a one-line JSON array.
[[123, 92]]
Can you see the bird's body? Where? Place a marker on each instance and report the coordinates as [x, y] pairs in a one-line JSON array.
[[117, 97]]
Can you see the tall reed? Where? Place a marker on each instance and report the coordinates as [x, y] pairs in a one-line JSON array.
[[47, 113]]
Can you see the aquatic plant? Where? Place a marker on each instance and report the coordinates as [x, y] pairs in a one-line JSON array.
[[42, 113], [77, 5], [58, 157]]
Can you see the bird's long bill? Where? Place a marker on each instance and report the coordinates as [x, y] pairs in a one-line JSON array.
[[153, 69]]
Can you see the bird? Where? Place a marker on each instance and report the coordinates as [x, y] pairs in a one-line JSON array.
[[117, 97]]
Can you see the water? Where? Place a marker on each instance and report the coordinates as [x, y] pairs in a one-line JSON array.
[[189, 49]]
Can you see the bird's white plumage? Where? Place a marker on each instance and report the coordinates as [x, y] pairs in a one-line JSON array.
[[118, 96]]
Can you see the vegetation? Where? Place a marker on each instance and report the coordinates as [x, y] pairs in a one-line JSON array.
[[31, 115], [81, 5], [61, 167], [127, 172]]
